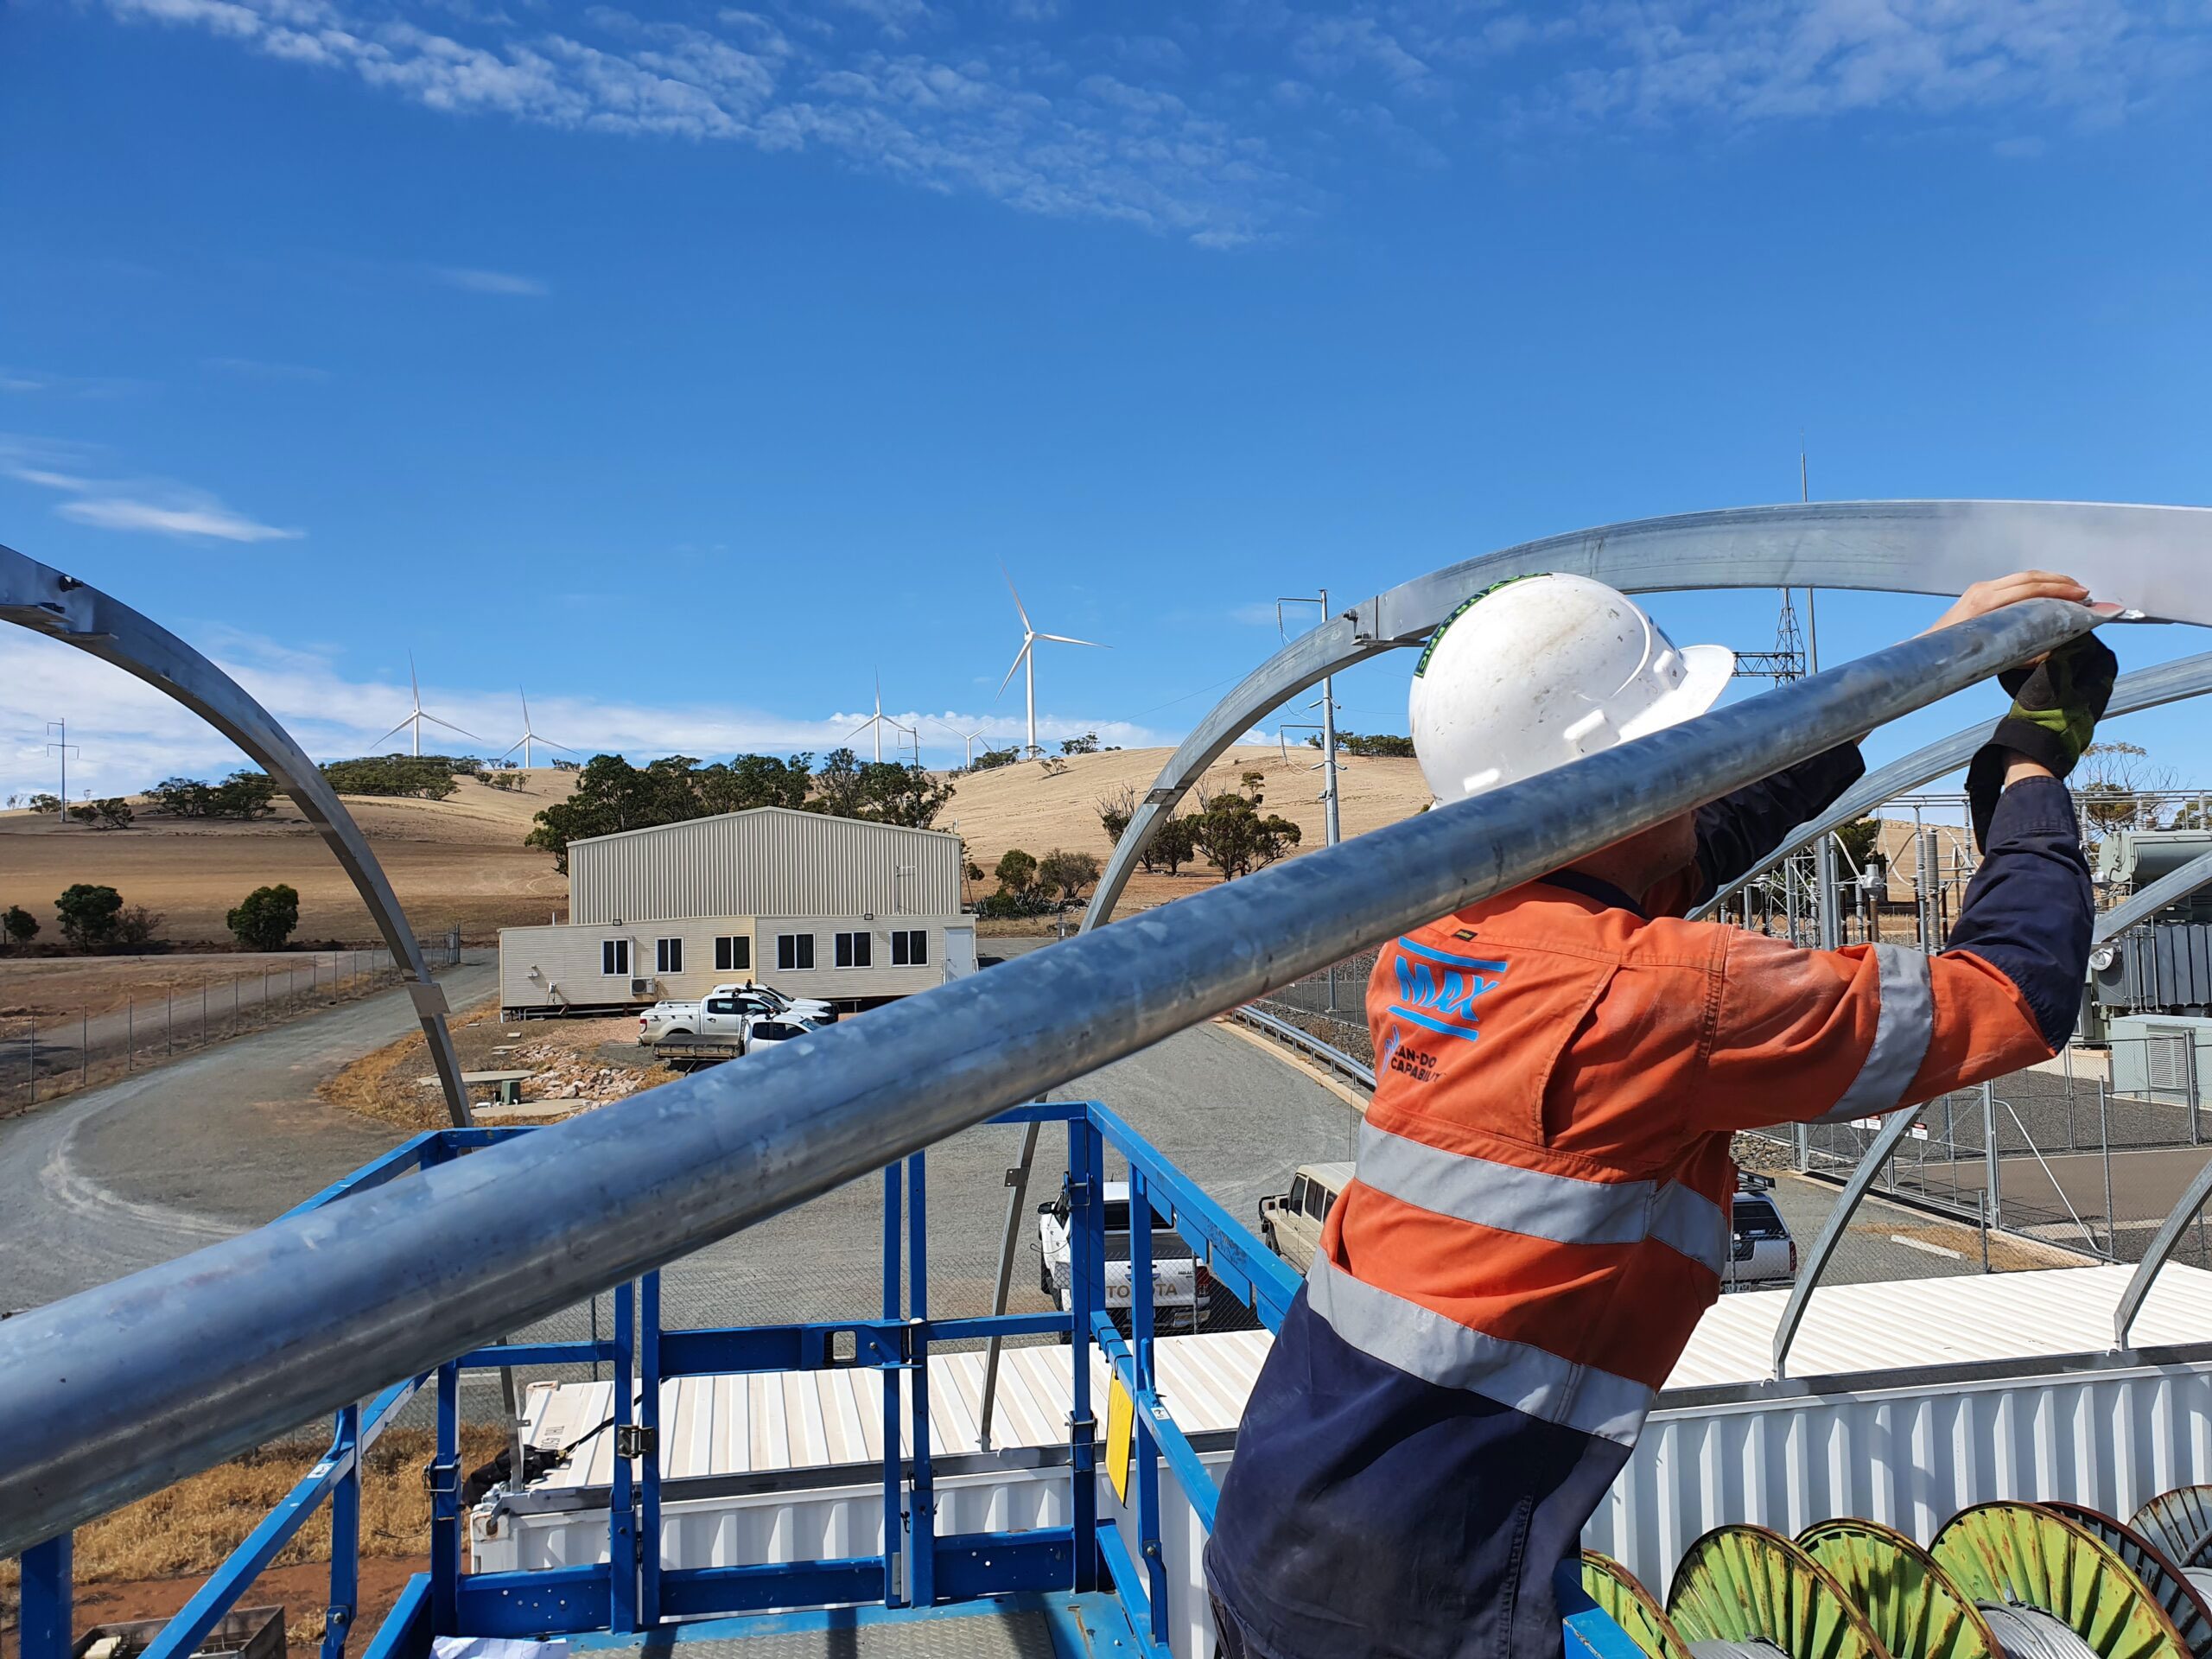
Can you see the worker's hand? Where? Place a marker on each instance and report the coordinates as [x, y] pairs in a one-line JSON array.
[[2057, 703], [1986, 596]]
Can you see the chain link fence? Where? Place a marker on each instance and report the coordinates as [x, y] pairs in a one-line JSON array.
[[48, 1052]]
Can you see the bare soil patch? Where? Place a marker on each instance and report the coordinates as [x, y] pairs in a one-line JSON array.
[[595, 1061]]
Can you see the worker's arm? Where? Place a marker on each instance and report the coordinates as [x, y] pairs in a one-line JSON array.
[[1735, 832], [1801, 1035]]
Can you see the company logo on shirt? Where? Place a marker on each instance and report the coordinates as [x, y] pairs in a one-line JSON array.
[[1437, 989]]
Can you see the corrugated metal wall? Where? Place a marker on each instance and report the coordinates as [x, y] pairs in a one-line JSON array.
[[1912, 1459], [767, 862]]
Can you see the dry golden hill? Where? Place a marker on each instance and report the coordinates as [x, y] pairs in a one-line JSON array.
[[1021, 806], [459, 862]]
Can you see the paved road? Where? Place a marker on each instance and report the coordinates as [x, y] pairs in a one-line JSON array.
[[103, 1183]]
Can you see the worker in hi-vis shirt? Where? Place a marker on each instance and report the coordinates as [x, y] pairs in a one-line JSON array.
[[1540, 1212]]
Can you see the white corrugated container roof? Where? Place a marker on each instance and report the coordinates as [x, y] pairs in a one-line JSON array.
[[776, 1421], [1967, 1320]]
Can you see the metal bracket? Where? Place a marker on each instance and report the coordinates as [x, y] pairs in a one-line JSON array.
[[441, 1479], [635, 1440], [1078, 1194]]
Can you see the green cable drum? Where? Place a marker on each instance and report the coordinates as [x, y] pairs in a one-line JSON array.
[[2169, 1586], [1631, 1606], [2033, 1561], [1914, 1609], [1742, 1587]]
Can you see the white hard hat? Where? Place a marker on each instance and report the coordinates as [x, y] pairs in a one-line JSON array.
[[1539, 670]]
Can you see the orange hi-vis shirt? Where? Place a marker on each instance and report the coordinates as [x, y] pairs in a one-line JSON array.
[[1539, 1214], [1546, 1161]]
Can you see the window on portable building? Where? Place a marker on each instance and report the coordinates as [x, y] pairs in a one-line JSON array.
[[615, 958], [668, 955], [856, 949], [910, 947], [794, 952], [732, 954]]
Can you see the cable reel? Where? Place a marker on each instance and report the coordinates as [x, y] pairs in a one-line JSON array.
[[2179, 1523], [2051, 1588], [1744, 1593], [2169, 1586], [1628, 1605], [1914, 1607]]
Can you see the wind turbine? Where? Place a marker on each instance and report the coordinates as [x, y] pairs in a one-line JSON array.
[[529, 736], [1027, 656], [417, 717], [968, 738], [879, 720]]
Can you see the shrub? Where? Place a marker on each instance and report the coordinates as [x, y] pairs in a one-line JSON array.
[[88, 914], [1115, 811], [265, 917], [20, 926], [1173, 843], [1087, 744], [137, 924], [1016, 870], [1067, 873], [43, 802], [114, 811]]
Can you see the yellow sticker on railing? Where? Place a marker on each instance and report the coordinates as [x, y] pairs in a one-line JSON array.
[[1120, 1436]]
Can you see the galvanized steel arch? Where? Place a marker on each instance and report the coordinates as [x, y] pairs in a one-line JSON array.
[[2147, 688], [2144, 555], [43, 600]]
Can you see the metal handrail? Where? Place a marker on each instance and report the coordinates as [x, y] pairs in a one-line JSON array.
[[120, 1390], [1297, 1037]]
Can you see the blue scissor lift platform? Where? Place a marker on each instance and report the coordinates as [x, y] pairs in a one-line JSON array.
[[1098, 1586]]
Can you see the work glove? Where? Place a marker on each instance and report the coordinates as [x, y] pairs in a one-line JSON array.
[[2055, 706]]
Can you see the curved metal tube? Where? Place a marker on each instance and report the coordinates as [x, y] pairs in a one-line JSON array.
[[2170, 888], [1893, 1132], [2149, 557], [120, 1390], [43, 600], [2147, 688]]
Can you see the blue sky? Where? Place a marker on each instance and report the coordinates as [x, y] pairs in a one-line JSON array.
[[691, 364]]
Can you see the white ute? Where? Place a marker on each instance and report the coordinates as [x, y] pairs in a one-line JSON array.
[[724, 1011], [1181, 1283]]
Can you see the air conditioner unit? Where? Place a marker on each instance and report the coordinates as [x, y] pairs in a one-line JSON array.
[[641, 987]]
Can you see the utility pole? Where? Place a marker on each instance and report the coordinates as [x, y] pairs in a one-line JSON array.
[[64, 748], [1333, 821], [1824, 851]]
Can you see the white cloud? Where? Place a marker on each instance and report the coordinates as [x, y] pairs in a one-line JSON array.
[[131, 736], [490, 282], [157, 505], [1220, 134]]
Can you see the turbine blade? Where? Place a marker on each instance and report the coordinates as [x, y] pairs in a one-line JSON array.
[[394, 732], [516, 744], [1005, 682], [450, 727], [1011, 588], [564, 748], [1065, 640], [414, 684]]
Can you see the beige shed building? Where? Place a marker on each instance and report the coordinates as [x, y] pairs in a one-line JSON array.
[[836, 908]]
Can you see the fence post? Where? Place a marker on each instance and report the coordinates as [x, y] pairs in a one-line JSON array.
[[31, 1063], [2188, 1047], [129, 1032], [1984, 1196], [203, 1013], [170, 1023], [2104, 1134], [1989, 1156], [84, 1047]]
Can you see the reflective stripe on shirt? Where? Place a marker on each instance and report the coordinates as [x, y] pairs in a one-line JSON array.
[[1902, 1032], [1538, 1204], [1422, 1343]]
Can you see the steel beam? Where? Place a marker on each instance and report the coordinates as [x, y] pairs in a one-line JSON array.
[[118, 1391], [41, 599], [2147, 557], [2147, 688]]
